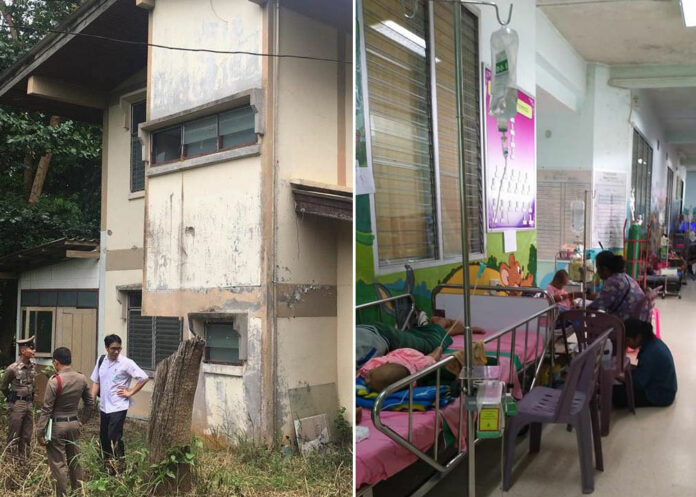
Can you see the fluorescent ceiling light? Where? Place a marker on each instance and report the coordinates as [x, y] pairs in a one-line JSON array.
[[402, 36], [689, 12]]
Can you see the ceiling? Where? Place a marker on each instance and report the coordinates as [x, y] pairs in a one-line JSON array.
[[624, 31], [638, 32]]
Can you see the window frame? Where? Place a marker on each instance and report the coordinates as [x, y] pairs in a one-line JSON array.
[[153, 336], [440, 259], [24, 328], [642, 172], [218, 143], [135, 142], [241, 358]]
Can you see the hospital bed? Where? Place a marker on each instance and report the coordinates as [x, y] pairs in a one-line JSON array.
[[399, 439]]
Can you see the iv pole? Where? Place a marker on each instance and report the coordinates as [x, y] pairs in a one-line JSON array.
[[471, 432], [471, 435]]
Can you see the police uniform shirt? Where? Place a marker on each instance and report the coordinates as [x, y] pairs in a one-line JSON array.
[[21, 376]]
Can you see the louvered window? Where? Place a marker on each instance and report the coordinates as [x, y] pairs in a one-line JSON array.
[[413, 129], [150, 339], [137, 164]]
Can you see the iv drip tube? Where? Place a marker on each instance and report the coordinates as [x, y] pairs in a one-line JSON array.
[[465, 244]]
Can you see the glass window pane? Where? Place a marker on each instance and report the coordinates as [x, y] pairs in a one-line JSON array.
[[447, 130], [137, 163], [30, 297], [167, 144], [397, 70], [87, 300], [200, 137], [135, 299], [222, 342], [67, 299], [237, 127], [48, 298], [44, 331]]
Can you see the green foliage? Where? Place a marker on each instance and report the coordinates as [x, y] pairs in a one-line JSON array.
[[70, 201], [50, 218], [343, 432]]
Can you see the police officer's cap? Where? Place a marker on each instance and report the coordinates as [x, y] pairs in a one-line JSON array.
[[26, 341]]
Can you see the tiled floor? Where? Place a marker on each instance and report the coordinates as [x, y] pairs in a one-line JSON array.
[[650, 454]]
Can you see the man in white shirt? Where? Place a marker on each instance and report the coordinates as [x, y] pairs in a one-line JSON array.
[[112, 377]]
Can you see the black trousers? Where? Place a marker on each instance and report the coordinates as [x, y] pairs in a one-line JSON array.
[[111, 434], [619, 398]]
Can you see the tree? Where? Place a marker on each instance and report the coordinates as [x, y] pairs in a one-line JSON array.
[[49, 167]]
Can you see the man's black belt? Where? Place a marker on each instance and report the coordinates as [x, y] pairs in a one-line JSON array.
[[26, 398], [65, 419]]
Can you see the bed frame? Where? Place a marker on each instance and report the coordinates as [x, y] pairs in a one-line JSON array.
[[442, 469]]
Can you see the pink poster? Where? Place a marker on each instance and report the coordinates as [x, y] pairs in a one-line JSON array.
[[511, 191]]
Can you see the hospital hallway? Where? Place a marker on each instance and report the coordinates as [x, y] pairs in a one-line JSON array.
[[651, 453]]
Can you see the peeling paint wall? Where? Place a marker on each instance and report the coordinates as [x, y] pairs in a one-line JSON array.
[[311, 250], [182, 80], [204, 227]]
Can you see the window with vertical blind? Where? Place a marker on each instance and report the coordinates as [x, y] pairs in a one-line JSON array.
[[150, 339], [641, 175], [412, 119]]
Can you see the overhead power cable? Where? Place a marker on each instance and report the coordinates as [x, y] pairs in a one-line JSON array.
[[187, 49]]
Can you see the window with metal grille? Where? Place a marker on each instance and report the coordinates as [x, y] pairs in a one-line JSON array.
[[137, 163], [412, 119], [641, 175], [150, 339]]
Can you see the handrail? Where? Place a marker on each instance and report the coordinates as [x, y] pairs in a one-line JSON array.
[[408, 296]]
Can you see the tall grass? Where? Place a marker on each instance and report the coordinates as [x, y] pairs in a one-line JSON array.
[[242, 469]]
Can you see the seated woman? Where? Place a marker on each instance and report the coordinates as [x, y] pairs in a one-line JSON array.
[[655, 378], [620, 294], [563, 299]]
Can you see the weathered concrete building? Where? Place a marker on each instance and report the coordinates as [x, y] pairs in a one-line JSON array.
[[226, 193]]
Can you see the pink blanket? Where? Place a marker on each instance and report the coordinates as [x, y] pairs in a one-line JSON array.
[[378, 457]]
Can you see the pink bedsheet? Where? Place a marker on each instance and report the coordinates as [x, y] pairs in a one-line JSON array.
[[378, 457], [525, 356]]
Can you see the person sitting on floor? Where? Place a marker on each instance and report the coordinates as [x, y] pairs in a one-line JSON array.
[[655, 378]]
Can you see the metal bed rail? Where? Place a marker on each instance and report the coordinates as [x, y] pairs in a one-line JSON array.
[[407, 443], [400, 326]]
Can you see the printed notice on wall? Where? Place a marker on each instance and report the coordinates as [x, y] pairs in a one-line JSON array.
[[561, 189], [609, 205]]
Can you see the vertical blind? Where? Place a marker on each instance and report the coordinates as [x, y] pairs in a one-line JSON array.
[[641, 175], [401, 122], [447, 130]]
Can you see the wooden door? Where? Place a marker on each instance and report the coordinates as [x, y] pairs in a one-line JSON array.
[[77, 330]]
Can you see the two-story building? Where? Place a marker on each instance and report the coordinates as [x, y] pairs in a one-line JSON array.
[[226, 192]]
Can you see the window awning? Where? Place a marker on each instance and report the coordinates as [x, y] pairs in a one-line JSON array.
[[49, 253], [70, 75], [319, 199]]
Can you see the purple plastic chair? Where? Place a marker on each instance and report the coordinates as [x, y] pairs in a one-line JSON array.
[[574, 405], [588, 325]]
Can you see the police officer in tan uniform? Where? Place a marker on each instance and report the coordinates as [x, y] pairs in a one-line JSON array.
[[20, 375], [63, 393]]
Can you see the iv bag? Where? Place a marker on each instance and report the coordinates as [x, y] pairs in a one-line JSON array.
[[577, 217], [504, 44]]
